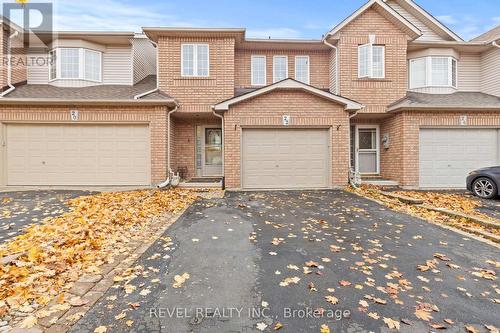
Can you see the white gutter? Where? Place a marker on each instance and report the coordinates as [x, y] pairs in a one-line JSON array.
[[169, 170], [337, 62], [157, 75], [9, 65], [223, 138], [494, 43]]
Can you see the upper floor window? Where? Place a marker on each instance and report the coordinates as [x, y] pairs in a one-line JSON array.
[[75, 64], [280, 68], [371, 61], [433, 72], [258, 70], [195, 60], [302, 69]]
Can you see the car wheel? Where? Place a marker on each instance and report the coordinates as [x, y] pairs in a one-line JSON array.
[[484, 188]]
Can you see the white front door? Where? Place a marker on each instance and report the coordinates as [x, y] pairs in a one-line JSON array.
[[367, 149], [212, 151]]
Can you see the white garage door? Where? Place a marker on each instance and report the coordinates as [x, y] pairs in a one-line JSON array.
[[448, 155], [285, 158], [68, 154]]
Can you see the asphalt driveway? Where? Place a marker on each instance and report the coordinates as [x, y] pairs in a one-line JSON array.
[[20, 209], [257, 259]]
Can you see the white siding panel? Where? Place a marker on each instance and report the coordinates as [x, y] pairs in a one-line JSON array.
[[144, 58], [117, 65], [469, 72], [427, 33], [38, 68], [490, 75]]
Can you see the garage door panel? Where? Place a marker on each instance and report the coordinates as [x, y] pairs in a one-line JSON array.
[[448, 155], [285, 158], [71, 154]]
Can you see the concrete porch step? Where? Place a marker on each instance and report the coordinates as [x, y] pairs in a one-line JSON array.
[[379, 182], [201, 185]]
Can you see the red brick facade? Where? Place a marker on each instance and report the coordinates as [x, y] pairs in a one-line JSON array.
[[305, 109], [154, 116]]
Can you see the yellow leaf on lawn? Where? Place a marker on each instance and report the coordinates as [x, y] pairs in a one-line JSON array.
[[423, 314], [101, 329], [120, 316], [129, 323], [29, 322], [179, 280], [391, 323], [331, 299], [324, 329]]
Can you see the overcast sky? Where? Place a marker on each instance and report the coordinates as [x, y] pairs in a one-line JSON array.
[[262, 18]]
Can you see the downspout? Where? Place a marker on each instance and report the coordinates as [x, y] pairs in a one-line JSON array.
[[9, 65], [223, 146], [169, 170], [157, 75], [494, 43], [337, 65]]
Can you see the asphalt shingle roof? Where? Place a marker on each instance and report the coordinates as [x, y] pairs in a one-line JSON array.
[[471, 100], [100, 92]]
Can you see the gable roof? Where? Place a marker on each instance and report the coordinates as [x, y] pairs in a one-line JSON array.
[[434, 22], [458, 100], [289, 84], [489, 36], [397, 18]]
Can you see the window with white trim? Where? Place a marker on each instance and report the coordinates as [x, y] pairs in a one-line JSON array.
[[433, 72], [258, 69], [302, 69], [195, 60], [371, 61], [280, 68], [69, 63], [75, 64]]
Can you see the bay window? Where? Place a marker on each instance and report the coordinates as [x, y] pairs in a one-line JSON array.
[[75, 64], [433, 72], [194, 60], [371, 61]]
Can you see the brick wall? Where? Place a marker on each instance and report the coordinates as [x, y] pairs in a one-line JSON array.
[[18, 60], [400, 162], [197, 94], [154, 115], [184, 141], [318, 66], [376, 94], [306, 110]]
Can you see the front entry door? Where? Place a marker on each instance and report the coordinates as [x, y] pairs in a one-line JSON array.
[[212, 151], [367, 149]]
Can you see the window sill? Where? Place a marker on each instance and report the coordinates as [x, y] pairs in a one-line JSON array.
[[194, 78], [369, 79]]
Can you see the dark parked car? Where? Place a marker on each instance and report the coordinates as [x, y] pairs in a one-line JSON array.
[[484, 182]]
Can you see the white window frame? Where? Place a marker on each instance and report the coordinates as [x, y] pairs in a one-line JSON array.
[[369, 65], [274, 67], [83, 51], [308, 68], [428, 73], [195, 60], [253, 83], [81, 64]]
